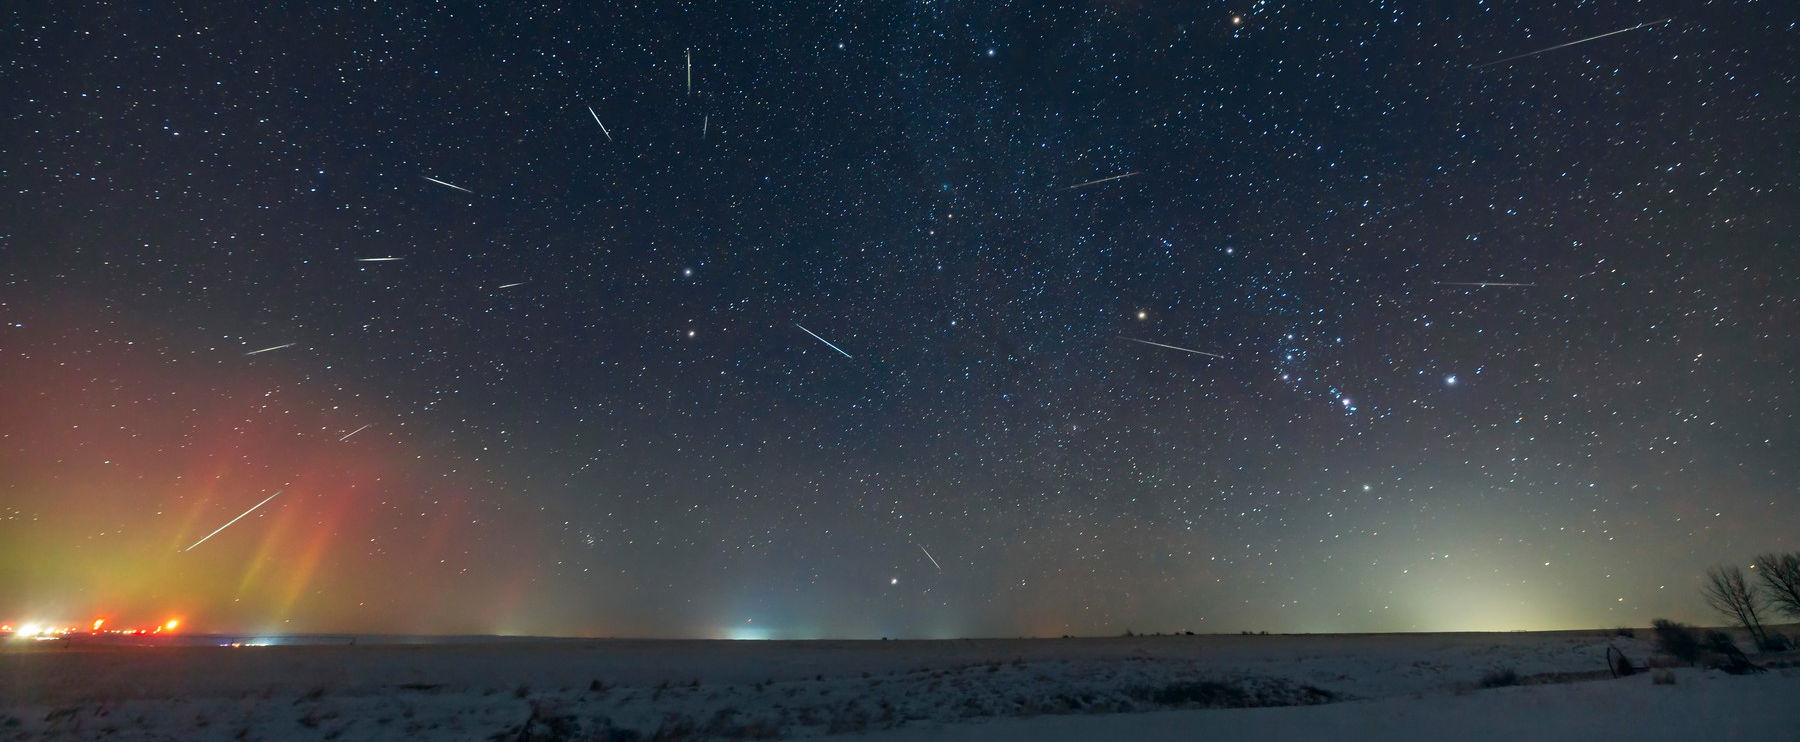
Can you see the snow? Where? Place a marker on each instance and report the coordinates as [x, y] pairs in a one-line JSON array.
[[1709, 706], [1357, 685]]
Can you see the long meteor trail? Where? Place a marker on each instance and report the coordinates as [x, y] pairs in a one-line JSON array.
[[447, 185], [1565, 44], [933, 559], [823, 340], [1172, 347], [354, 432], [234, 520], [265, 350], [597, 121], [1098, 182], [1482, 284]]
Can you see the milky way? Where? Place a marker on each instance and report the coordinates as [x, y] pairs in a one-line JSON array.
[[1499, 345]]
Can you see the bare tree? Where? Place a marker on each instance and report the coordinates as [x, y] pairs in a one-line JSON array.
[[1729, 594], [1781, 575]]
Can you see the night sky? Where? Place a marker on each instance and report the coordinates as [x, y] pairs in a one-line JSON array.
[[585, 396]]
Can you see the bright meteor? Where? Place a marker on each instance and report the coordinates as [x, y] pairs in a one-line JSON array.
[[447, 185], [265, 350], [933, 559], [1172, 347], [597, 121], [823, 340], [1098, 182], [234, 520], [1569, 43]]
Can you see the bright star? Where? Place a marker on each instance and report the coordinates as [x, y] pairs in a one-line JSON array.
[[1450, 380]]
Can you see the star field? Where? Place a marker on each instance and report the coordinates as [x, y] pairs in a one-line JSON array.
[[701, 320]]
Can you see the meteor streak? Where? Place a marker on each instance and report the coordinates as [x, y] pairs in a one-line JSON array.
[[1097, 182], [447, 185], [353, 432], [933, 559], [1482, 284], [823, 340], [376, 260], [234, 520], [509, 285], [1172, 347], [265, 350], [1516, 57], [597, 121]]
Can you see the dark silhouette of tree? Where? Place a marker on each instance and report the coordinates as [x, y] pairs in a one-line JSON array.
[[1730, 594], [1780, 573]]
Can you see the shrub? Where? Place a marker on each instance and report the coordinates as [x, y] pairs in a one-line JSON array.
[[1776, 642], [1677, 640], [1500, 678], [1722, 653], [1663, 677], [1625, 632]]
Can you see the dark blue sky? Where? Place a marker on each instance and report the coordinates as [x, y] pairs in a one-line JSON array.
[[592, 410]]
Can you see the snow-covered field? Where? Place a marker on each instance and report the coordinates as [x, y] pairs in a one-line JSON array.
[[1403, 686]]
